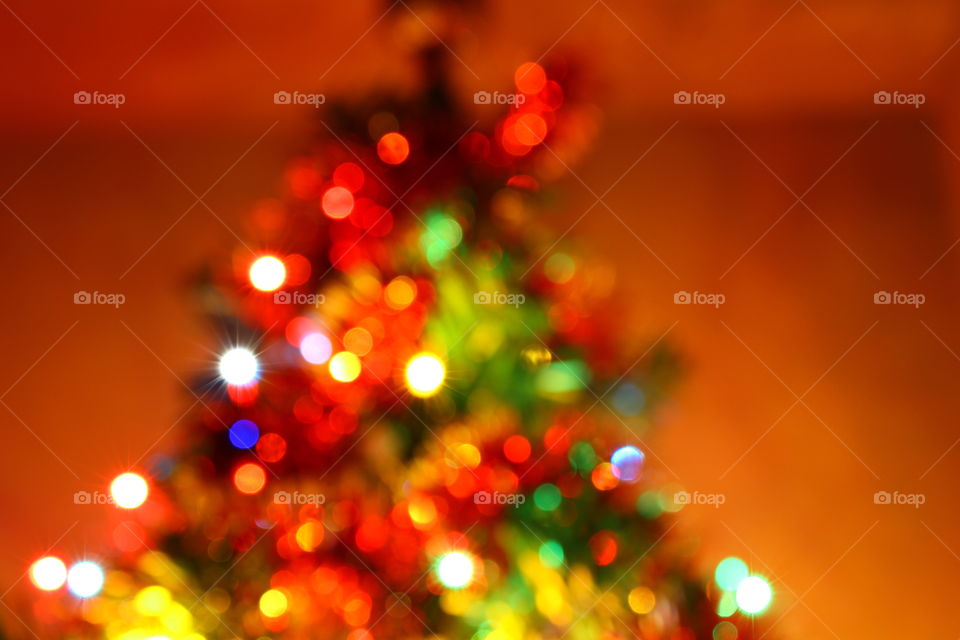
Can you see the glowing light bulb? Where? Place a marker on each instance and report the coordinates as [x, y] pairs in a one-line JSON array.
[[273, 603], [85, 579], [754, 595], [267, 273], [455, 570], [48, 574], [425, 374], [238, 366], [129, 490]]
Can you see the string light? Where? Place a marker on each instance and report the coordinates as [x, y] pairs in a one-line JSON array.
[[85, 579], [267, 273], [238, 366], [49, 573], [425, 374], [455, 570], [129, 490]]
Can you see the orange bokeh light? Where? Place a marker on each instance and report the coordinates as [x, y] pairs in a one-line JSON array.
[[516, 449], [337, 203], [530, 77], [249, 478], [530, 129], [393, 148]]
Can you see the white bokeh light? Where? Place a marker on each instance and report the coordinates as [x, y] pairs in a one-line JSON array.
[[267, 273], [753, 594], [85, 579], [239, 366], [48, 573], [129, 490]]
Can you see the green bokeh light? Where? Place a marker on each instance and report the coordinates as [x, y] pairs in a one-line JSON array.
[[547, 497], [730, 573], [551, 554]]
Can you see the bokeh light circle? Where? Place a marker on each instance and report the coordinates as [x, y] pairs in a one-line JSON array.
[[85, 579], [129, 490], [627, 463], [345, 367], [238, 366], [267, 273], [49, 573], [730, 572], [455, 570], [425, 374], [316, 348], [244, 434], [754, 595]]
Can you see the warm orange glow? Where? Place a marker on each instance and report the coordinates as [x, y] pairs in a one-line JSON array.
[[530, 129], [400, 293], [393, 148], [358, 340], [516, 449], [249, 478], [337, 203], [530, 77], [309, 535], [349, 176]]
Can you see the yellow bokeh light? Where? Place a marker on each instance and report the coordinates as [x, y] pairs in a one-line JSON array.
[[641, 600], [267, 273], [425, 374], [345, 367], [422, 511], [152, 601], [309, 535], [400, 293], [273, 603]]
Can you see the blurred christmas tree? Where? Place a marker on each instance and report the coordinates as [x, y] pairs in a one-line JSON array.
[[424, 424]]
